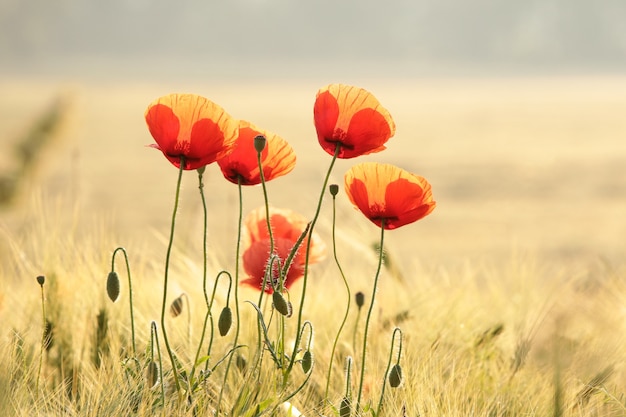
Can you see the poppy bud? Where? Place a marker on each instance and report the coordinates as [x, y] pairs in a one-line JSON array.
[[225, 321], [395, 376], [280, 304], [334, 189], [259, 143], [359, 297], [241, 362], [345, 407], [307, 361], [152, 374], [113, 286], [41, 280], [177, 306]]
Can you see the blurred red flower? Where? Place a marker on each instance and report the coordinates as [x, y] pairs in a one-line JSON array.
[[191, 127], [352, 117], [383, 191], [287, 226], [277, 159]]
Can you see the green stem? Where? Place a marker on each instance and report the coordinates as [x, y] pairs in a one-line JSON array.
[[393, 339], [130, 294], [165, 278], [308, 253], [43, 338], [345, 317], [154, 335], [230, 358], [369, 313]]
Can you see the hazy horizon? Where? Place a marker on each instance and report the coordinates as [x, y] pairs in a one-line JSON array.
[[287, 39]]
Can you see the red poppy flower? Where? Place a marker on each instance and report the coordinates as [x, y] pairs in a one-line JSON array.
[[383, 191], [353, 118], [190, 127], [278, 158], [287, 226]]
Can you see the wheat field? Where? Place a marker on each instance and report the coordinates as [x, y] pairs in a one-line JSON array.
[[511, 294]]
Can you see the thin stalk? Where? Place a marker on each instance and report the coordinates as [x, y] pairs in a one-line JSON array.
[[393, 339], [130, 294], [166, 275], [237, 327], [305, 278], [369, 313], [345, 317], [43, 333]]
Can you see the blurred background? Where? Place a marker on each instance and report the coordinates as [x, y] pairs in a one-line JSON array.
[[513, 110], [282, 38]]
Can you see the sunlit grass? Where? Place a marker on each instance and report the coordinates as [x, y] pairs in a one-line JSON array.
[[500, 339]]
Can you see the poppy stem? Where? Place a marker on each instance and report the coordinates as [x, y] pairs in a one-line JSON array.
[[236, 338], [343, 276], [393, 340], [369, 313], [308, 254], [166, 274], [130, 294]]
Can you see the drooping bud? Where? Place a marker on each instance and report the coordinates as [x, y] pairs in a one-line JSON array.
[[395, 376], [113, 286], [307, 361], [225, 321], [345, 407], [41, 280], [280, 304], [334, 189], [259, 143], [241, 363], [152, 374], [359, 297], [176, 308]]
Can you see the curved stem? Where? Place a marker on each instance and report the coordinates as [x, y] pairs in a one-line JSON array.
[[130, 294], [345, 317], [166, 275], [154, 334], [393, 339], [308, 253], [237, 327], [369, 313]]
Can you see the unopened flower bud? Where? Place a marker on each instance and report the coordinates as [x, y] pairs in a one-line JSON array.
[[280, 304], [259, 143], [113, 286], [41, 280], [345, 407], [334, 189], [152, 374], [176, 308], [359, 297], [225, 321], [395, 376], [307, 361]]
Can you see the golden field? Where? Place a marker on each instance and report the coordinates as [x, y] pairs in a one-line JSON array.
[[529, 232]]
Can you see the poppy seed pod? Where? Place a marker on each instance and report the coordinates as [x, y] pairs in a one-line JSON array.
[[225, 321], [259, 143], [395, 376], [41, 280], [307, 361], [280, 304], [113, 286], [334, 189]]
